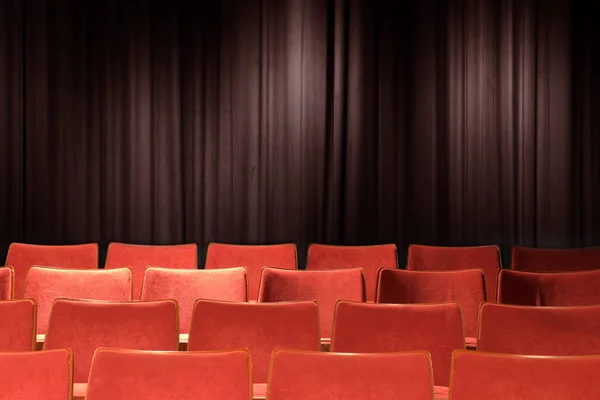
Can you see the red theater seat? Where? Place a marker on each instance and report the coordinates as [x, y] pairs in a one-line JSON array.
[[140, 257], [254, 258], [376, 328], [136, 375], [465, 287], [17, 325], [325, 287], [23, 256], [39, 375], [188, 285], [438, 258], [555, 260], [305, 375], [47, 284], [369, 258], [478, 375], [7, 279], [557, 331], [549, 289]]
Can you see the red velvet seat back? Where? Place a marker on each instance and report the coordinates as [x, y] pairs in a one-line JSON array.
[[438, 258], [188, 285], [549, 289], [555, 260], [465, 287], [23, 256], [85, 326], [7, 278], [254, 258], [40, 375], [303, 375], [539, 330], [260, 327], [48, 284], [325, 287], [373, 328], [369, 258], [17, 325], [140, 257], [478, 375], [128, 375]]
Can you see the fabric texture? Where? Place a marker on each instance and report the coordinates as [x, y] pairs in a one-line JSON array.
[[7, 277], [17, 325], [555, 260]]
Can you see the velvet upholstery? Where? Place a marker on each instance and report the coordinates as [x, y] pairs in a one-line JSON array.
[[137, 375], [7, 279], [85, 326], [23, 256], [304, 375], [369, 258], [188, 285], [325, 287], [549, 289], [140, 257], [555, 260], [260, 327], [254, 258], [440, 258], [373, 328], [47, 284], [465, 287], [555, 331], [39, 375], [17, 325], [478, 375]]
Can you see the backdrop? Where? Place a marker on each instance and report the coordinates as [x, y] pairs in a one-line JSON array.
[[451, 122]]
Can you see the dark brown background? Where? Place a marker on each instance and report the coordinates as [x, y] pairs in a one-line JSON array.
[[441, 122]]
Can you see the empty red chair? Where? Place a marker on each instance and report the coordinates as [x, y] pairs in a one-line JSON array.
[[254, 258], [478, 375], [557, 331], [17, 325], [324, 287], [23, 256], [140, 257], [127, 374], [188, 285], [467, 288], [307, 375], [439, 258], [85, 326], [7, 278], [555, 260], [47, 284], [369, 258], [39, 375], [376, 328], [549, 289]]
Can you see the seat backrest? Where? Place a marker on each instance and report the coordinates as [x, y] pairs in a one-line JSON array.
[[85, 326], [554, 331], [128, 374], [140, 257], [373, 328], [47, 284], [440, 258], [7, 279], [555, 260], [466, 287], [325, 287], [549, 288], [253, 257], [23, 256], [17, 325], [39, 375], [369, 258], [188, 285], [308, 375], [260, 327], [480, 375]]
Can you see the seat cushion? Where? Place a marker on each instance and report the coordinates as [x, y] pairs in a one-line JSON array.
[[259, 391], [79, 390], [441, 392]]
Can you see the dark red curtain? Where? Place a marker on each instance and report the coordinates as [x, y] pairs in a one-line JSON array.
[[450, 122]]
